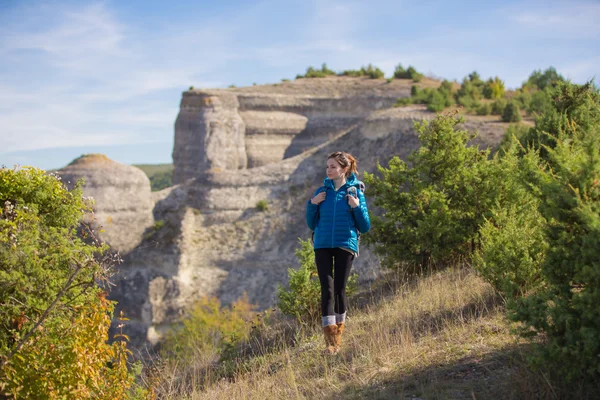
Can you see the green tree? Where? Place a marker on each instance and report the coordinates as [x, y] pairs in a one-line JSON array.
[[511, 113], [54, 317], [566, 179], [431, 210], [542, 80], [493, 88]]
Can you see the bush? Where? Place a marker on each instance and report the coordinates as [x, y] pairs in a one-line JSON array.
[[469, 94], [542, 80], [370, 71], [540, 103], [436, 102], [410, 73], [302, 300], [55, 318], [431, 211], [484, 109], [522, 98], [317, 73], [565, 179], [498, 106], [262, 205], [511, 113], [493, 88], [209, 329], [513, 243]]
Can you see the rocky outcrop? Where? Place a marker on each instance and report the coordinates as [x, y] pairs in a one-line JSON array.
[[239, 128], [234, 148], [123, 207]]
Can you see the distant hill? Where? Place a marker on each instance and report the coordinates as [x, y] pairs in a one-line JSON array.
[[160, 175]]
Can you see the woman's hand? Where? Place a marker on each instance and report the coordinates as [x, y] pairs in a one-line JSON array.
[[318, 199], [352, 201]]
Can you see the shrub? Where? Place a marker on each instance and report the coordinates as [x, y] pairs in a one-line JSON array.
[[316, 73], [522, 98], [262, 205], [475, 79], [540, 103], [542, 80], [209, 329], [469, 93], [55, 317], [436, 102], [410, 73], [493, 88], [484, 109], [513, 243], [302, 300], [511, 113], [565, 178], [414, 90], [498, 106], [370, 71], [432, 210]]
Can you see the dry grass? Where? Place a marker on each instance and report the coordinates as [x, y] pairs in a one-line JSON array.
[[442, 336]]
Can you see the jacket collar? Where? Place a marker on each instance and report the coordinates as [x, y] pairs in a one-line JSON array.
[[350, 181]]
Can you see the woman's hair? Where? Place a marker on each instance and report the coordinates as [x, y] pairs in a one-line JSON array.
[[345, 160]]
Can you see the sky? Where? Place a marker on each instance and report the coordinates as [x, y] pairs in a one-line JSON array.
[[79, 77]]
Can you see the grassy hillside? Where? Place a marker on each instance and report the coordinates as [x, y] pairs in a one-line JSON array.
[[442, 336], [160, 175]]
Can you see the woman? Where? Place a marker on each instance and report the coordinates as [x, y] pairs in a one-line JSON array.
[[337, 214]]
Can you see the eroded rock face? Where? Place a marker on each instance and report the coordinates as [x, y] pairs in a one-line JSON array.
[[209, 134], [234, 148], [232, 129], [123, 207]]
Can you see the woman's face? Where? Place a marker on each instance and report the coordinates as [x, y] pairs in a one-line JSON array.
[[334, 169]]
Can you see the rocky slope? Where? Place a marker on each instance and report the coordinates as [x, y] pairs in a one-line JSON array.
[[233, 148]]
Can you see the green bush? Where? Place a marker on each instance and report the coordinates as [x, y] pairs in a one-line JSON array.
[[431, 211], [511, 113], [209, 329], [370, 71], [540, 103], [469, 93], [414, 90], [484, 109], [55, 318], [317, 73], [542, 80], [493, 88], [565, 179], [410, 73], [498, 106], [522, 98], [513, 243], [514, 138], [436, 102], [302, 300], [262, 205]]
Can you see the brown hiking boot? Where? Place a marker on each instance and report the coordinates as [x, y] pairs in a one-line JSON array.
[[337, 337], [329, 332]]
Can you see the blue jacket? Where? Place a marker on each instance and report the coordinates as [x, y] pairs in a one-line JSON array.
[[335, 223]]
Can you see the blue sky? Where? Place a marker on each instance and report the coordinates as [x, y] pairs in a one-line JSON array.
[[106, 77]]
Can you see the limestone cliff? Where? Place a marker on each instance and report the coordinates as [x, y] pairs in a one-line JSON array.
[[234, 147], [123, 207]]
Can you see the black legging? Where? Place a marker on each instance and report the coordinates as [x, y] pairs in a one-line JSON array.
[[333, 287]]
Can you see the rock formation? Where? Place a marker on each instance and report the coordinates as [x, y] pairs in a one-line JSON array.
[[233, 148], [123, 205]]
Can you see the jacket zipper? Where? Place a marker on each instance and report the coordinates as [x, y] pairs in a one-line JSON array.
[[333, 228]]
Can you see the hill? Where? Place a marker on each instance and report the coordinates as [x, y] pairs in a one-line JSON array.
[[439, 336]]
